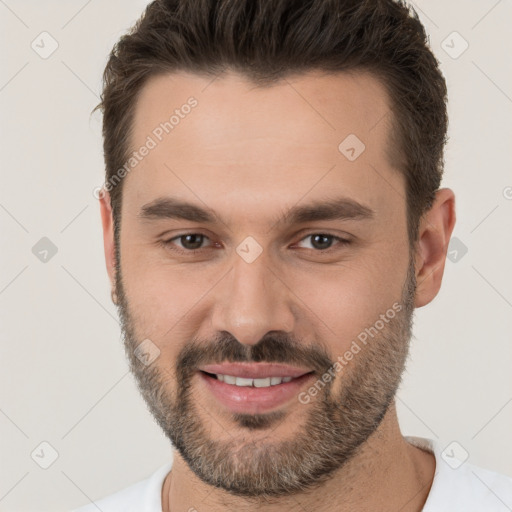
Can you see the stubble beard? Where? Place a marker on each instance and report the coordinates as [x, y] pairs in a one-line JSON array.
[[335, 425]]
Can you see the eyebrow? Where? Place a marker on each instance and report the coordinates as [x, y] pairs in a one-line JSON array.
[[342, 208]]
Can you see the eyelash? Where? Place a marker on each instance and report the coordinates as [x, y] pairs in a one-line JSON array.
[[170, 245]]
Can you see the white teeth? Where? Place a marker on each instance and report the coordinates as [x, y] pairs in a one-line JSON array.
[[262, 383], [257, 383], [240, 381]]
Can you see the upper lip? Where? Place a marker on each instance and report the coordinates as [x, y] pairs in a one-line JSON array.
[[255, 370]]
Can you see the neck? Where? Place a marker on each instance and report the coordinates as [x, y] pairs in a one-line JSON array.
[[386, 474]]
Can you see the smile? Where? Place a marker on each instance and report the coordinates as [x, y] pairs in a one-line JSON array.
[[253, 388], [257, 383]]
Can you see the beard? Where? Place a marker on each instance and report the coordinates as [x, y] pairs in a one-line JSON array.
[[335, 425]]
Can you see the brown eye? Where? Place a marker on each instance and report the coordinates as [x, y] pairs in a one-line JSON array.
[[188, 242], [192, 241], [323, 241]]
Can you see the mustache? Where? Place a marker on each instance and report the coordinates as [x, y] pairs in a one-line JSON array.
[[272, 348]]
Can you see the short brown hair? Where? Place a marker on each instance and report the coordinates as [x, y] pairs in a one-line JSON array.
[[267, 40]]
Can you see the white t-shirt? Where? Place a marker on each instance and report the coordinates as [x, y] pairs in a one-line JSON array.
[[457, 487]]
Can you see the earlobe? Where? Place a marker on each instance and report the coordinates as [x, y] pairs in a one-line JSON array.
[[435, 231], [107, 222]]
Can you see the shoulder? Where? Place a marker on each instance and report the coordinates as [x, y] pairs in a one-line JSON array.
[[461, 486], [143, 496]]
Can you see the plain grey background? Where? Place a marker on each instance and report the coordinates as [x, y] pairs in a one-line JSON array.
[[64, 380]]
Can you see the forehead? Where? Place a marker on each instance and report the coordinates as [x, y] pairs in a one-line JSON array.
[[225, 138]]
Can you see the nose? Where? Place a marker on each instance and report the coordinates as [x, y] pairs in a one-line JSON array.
[[253, 301]]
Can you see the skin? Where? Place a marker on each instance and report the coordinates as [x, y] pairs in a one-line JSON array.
[[249, 154]]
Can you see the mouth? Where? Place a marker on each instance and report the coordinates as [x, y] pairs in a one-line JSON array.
[[253, 388], [245, 381]]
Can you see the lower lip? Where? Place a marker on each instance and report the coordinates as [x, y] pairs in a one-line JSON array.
[[252, 400]]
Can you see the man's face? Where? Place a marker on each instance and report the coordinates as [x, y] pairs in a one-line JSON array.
[[264, 286]]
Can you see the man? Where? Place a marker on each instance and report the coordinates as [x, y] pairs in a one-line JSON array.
[[272, 217]]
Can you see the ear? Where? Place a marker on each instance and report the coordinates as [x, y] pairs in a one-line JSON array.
[[107, 222], [434, 235]]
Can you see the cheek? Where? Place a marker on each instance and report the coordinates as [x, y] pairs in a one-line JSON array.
[[345, 301], [164, 299], [333, 302]]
